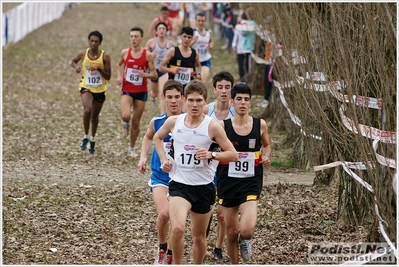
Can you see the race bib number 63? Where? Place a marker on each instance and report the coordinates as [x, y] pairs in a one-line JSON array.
[[132, 76]]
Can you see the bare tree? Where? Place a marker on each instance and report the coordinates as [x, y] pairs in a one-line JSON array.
[[340, 62]]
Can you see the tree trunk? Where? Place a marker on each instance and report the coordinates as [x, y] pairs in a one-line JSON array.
[[351, 46]]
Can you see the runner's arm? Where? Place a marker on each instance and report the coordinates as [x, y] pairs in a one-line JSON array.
[[106, 72], [169, 55], [162, 132], [150, 45], [153, 75], [119, 68], [145, 146], [194, 40], [198, 67], [151, 31], [76, 59], [210, 41], [228, 153], [266, 146]]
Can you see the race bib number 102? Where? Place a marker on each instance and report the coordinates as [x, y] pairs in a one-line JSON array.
[[94, 78]]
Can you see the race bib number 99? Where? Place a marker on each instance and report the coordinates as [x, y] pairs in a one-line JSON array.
[[132, 76], [244, 167], [94, 78]]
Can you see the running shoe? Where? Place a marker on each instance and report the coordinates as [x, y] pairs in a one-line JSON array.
[[92, 147], [160, 257], [131, 152], [245, 248], [83, 145], [217, 254], [169, 260]]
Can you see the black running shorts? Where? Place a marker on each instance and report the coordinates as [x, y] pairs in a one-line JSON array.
[[201, 197]]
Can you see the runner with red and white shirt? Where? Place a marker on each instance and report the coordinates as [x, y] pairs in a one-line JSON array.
[[133, 78]]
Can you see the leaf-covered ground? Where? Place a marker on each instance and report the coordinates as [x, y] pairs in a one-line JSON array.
[[109, 220], [64, 206]]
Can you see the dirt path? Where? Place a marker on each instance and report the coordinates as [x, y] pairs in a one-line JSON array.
[[41, 127], [97, 209], [82, 173]]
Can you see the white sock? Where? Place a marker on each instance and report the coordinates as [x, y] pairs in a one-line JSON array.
[[92, 138], [86, 136]]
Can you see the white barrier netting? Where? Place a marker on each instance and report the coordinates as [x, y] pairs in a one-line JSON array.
[[27, 17]]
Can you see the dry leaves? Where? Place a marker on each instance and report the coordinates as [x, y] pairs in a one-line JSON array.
[[65, 206], [105, 218]]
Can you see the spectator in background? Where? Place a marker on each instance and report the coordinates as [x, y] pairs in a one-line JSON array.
[[244, 43], [270, 46], [217, 9], [228, 27]]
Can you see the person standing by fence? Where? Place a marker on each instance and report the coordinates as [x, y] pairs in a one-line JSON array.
[[270, 47], [244, 44], [228, 27], [96, 72]]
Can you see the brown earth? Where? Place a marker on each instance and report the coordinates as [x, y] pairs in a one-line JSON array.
[[97, 209]]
